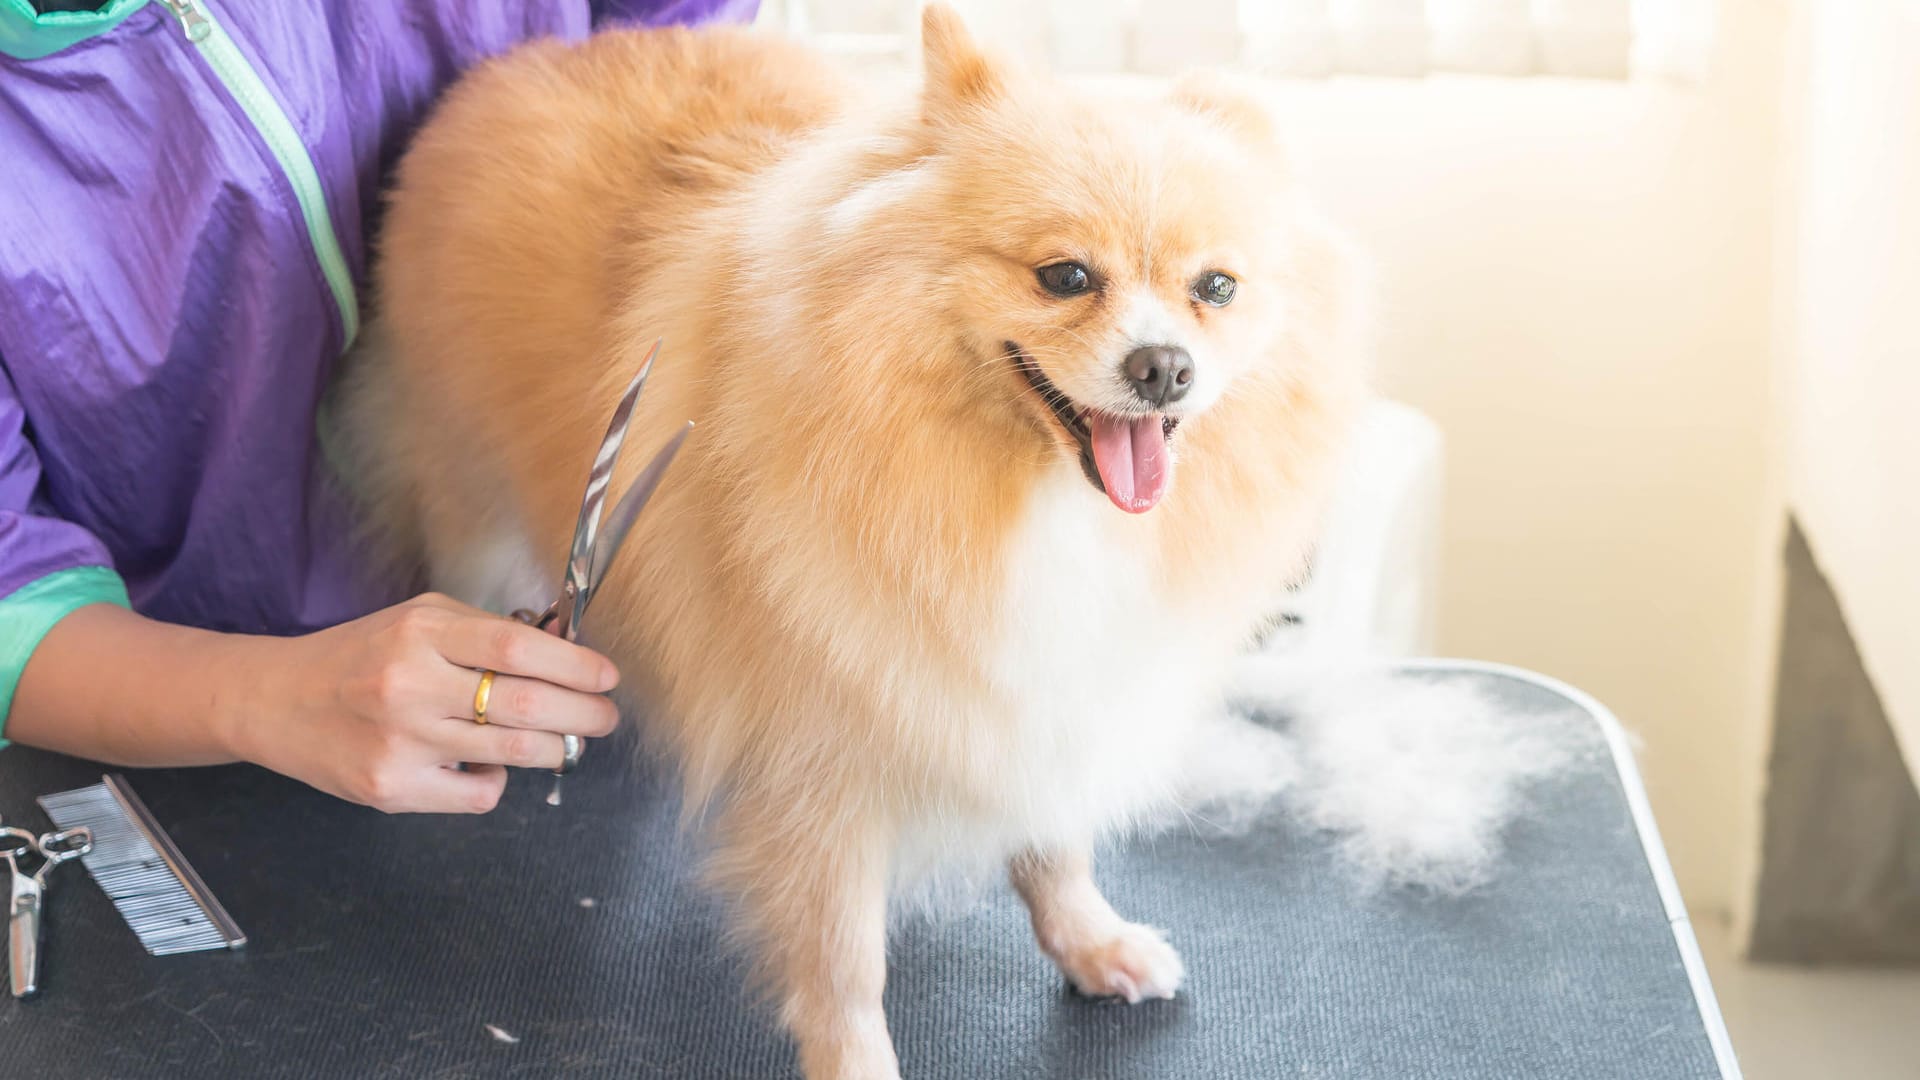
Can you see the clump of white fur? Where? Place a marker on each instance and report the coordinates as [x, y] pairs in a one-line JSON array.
[[1416, 779]]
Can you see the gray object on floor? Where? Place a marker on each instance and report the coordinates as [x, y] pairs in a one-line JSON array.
[[386, 946]]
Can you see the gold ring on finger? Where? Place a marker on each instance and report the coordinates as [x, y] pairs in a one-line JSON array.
[[481, 694]]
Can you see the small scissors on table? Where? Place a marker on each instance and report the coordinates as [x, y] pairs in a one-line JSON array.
[[593, 547], [28, 895]]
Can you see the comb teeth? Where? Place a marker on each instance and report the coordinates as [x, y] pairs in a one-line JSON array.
[[169, 908]]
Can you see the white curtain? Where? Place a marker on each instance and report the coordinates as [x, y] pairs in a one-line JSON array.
[[1596, 39]]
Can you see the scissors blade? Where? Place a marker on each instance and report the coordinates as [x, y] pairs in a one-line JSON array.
[[580, 569], [620, 520]]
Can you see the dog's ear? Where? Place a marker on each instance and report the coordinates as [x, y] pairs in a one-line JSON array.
[[958, 73], [1231, 103]]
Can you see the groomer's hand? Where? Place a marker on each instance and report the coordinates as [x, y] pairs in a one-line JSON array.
[[381, 710]]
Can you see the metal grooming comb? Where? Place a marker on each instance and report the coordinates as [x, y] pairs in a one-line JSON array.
[[169, 908]]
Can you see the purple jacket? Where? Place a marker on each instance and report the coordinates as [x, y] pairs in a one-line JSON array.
[[190, 186]]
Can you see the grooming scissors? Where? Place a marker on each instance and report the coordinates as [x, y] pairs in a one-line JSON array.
[[28, 895], [594, 548]]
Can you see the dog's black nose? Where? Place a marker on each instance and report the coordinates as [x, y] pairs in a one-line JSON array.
[[1160, 374]]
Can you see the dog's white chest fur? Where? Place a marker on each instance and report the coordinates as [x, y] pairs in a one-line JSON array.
[[1104, 672]]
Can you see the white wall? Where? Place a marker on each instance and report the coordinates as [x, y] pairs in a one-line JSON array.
[[1652, 320], [1577, 285], [1852, 338]]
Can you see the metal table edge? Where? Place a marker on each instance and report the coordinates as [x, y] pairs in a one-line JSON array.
[[1620, 749]]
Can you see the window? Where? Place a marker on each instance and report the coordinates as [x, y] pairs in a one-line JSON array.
[[1599, 39]]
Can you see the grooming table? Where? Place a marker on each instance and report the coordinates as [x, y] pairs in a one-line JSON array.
[[385, 946]]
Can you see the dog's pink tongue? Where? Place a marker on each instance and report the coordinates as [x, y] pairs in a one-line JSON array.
[[1131, 454]]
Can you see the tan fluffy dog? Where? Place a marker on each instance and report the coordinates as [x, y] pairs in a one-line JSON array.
[[926, 582]]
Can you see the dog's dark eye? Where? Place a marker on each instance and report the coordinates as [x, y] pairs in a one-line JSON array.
[[1065, 279], [1215, 288]]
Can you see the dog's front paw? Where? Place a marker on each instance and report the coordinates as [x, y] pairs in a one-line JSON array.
[[1135, 964]]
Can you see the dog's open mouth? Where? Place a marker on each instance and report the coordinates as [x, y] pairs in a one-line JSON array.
[[1127, 457]]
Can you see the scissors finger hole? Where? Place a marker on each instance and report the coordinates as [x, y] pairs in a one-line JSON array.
[[67, 843]]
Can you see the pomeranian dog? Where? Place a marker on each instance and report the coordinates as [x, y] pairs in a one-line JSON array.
[[1016, 407]]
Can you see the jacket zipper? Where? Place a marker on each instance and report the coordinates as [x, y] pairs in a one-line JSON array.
[[278, 132]]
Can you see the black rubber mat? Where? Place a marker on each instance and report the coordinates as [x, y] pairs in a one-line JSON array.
[[385, 946]]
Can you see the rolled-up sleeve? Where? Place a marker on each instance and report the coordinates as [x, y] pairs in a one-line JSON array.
[[49, 567]]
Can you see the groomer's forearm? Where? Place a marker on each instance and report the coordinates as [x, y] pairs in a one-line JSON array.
[[114, 686]]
